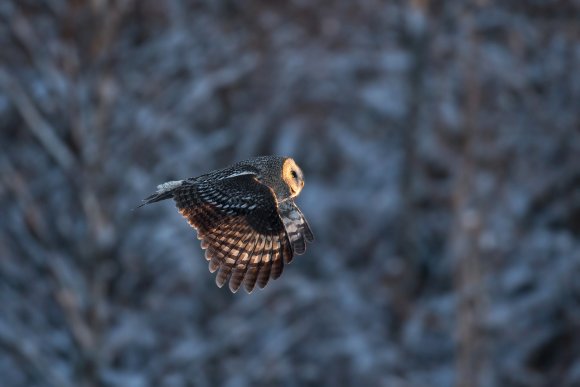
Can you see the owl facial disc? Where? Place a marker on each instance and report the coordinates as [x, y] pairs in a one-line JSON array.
[[293, 176]]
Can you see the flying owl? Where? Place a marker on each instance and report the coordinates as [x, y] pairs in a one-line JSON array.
[[245, 217]]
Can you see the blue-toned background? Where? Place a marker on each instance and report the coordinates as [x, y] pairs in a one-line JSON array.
[[441, 147]]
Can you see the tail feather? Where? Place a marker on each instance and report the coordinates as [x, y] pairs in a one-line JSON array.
[[164, 191]]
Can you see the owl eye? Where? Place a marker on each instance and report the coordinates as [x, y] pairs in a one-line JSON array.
[[293, 173]]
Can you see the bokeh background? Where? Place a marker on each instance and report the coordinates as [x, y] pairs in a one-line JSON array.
[[441, 146]]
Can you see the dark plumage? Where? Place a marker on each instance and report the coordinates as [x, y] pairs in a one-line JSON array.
[[245, 217]]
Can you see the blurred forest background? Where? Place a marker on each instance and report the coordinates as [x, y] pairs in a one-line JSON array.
[[440, 142]]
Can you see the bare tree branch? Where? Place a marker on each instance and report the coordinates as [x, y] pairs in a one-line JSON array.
[[38, 126]]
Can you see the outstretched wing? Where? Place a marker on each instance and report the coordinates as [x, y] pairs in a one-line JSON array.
[[296, 226], [237, 221]]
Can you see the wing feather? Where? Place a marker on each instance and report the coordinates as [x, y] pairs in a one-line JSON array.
[[232, 254], [224, 242], [254, 264], [278, 264], [296, 226], [248, 236], [242, 264], [266, 264]]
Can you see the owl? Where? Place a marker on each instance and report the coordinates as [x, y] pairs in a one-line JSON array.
[[245, 217]]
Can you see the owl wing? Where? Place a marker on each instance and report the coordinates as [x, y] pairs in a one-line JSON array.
[[237, 221], [296, 226]]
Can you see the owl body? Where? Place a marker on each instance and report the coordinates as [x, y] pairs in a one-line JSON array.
[[245, 217], [267, 169]]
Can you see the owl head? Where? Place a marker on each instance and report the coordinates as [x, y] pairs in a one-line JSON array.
[[281, 174], [293, 177]]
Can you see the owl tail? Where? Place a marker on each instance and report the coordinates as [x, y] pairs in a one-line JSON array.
[[164, 191]]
